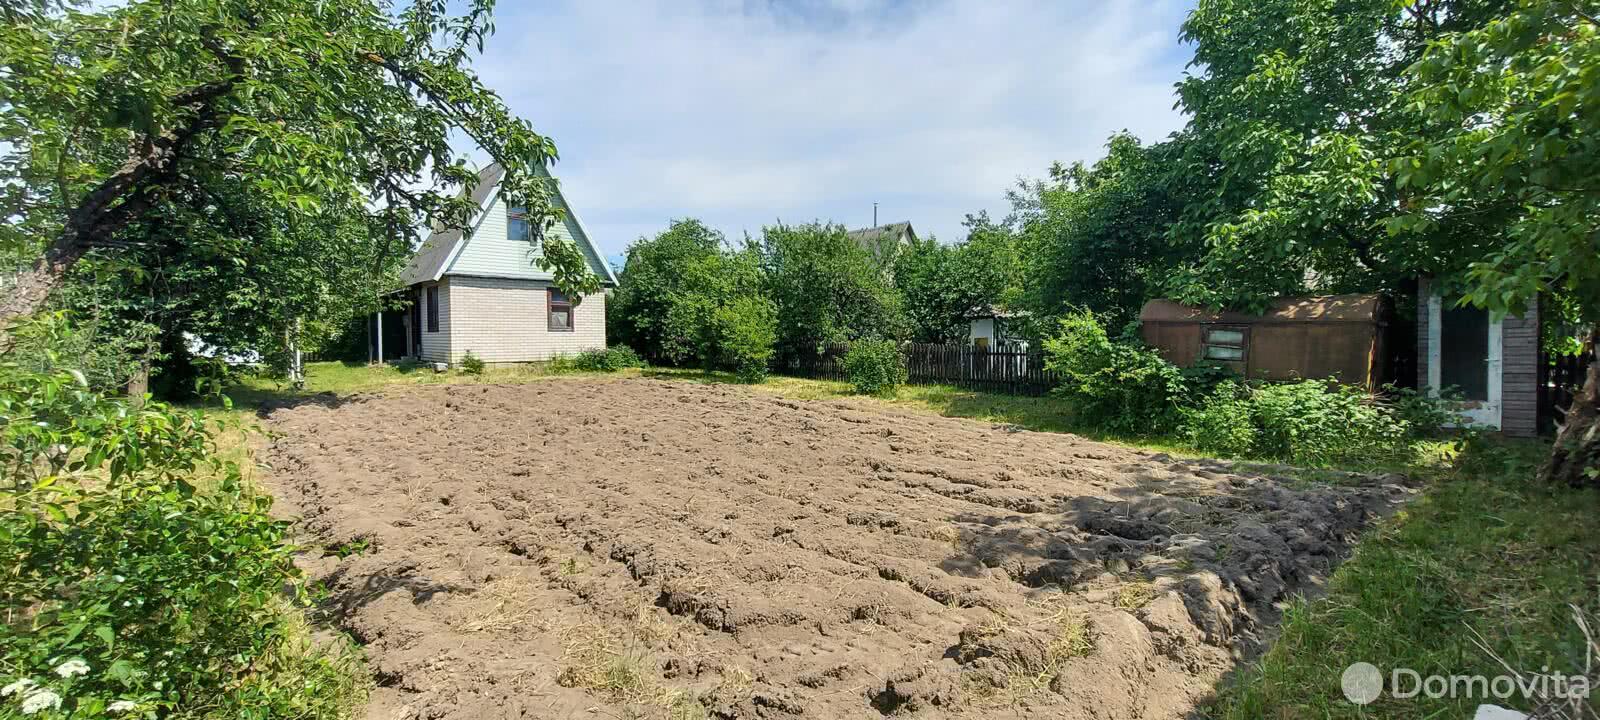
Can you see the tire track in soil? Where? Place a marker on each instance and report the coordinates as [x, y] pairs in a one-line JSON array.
[[779, 558]]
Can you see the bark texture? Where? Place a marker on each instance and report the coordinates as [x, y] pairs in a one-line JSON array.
[[1575, 458]]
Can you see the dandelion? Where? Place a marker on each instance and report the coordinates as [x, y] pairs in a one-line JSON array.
[[39, 700], [18, 687], [72, 667], [122, 706]]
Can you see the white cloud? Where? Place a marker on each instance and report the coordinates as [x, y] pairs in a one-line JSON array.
[[742, 113]]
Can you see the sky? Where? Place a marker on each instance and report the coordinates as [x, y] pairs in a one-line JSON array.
[[743, 114]]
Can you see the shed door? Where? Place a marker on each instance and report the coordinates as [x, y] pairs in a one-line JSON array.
[[1464, 352]]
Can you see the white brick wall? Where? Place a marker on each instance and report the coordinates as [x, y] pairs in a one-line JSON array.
[[502, 320], [436, 345]]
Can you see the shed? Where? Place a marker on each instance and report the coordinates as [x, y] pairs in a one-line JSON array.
[[1340, 336]]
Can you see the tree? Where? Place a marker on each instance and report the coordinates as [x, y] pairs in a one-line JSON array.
[[826, 289], [118, 124], [1517, 104], [684, 295], [942, 285], [1097, 237], [1295, 107]]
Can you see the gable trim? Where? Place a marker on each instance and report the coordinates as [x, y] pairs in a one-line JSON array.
[[606, 276], [461, 242]]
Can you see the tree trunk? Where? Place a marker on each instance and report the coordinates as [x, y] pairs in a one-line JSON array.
[[33, 285], [1575, 459]]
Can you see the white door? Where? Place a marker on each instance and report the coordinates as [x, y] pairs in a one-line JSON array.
[[1464, 352]]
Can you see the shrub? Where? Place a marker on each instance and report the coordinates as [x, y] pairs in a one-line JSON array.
[[1320, 422], [1424, 414], [1223, 422], [472, 364], [1114, 386], [746, 329], [125, 583], [610, 359], [874, 367]]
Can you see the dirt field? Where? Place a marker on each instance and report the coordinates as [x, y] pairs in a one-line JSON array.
[[638, 548]]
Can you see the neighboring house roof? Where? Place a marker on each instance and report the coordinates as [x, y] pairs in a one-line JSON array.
[[881, 240], [434, 258]]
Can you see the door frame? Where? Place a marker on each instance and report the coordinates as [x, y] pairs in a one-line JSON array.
[[1487, 413]]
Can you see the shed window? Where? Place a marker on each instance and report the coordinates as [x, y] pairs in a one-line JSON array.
[[560, 311], [433, 308], [518, 229], [1225, 344]]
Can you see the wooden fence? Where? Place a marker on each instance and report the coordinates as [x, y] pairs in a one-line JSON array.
[[1004, 369]]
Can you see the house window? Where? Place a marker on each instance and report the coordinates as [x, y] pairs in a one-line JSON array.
[[518, 229], [433, 308], [1224, 343], [560, 311]]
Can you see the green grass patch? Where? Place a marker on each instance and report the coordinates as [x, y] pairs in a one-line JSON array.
[[342, 378], [1485, 550]]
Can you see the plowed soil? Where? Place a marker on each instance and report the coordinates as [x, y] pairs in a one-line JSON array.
[[640, 548]]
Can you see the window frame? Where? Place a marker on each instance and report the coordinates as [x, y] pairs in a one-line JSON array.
[[515, 215], [551, 305], [1243, 345], [432, 294]]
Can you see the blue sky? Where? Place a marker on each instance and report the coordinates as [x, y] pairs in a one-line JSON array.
[[745, 113]]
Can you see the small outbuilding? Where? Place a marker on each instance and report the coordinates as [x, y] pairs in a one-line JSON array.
[[1339, 336]]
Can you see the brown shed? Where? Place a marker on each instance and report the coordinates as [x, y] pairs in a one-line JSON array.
[[1338, 336]]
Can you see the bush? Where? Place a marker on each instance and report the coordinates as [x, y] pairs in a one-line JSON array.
[[1114, 386], [1426, 415], [874, 367], [610, 359], [472, 364], [1223, 422], [746, 329], [1320, 422], [125, 583]]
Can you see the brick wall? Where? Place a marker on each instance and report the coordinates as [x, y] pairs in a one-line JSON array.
[[1519, 374], [503, 320], [436, 345]]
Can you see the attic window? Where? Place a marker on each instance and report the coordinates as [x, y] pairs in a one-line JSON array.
[[1225, 343], [518, 229]]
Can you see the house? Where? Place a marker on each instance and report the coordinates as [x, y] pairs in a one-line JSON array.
[[480, 291], [884, 241], [991, 327], [1494, 363]]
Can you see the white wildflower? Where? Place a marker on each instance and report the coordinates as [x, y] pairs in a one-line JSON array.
[[72, 667], [20, 686], [40, 700], [121, 706]]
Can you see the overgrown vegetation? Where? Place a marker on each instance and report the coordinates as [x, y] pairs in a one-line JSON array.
[[143, 577], [1119, 386], [472, 364], [611, 359]]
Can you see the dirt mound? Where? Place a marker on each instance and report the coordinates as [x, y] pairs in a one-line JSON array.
[[679, 550]]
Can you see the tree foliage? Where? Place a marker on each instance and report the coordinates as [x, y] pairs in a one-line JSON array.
[[250, 139], [686, 296], [942, 285], [1097, 236], [826, 289]]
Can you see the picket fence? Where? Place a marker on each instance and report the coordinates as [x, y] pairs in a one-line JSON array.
[[1011, 369]]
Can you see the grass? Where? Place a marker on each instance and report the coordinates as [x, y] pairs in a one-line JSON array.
[[341, 378], [1483, 551]]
